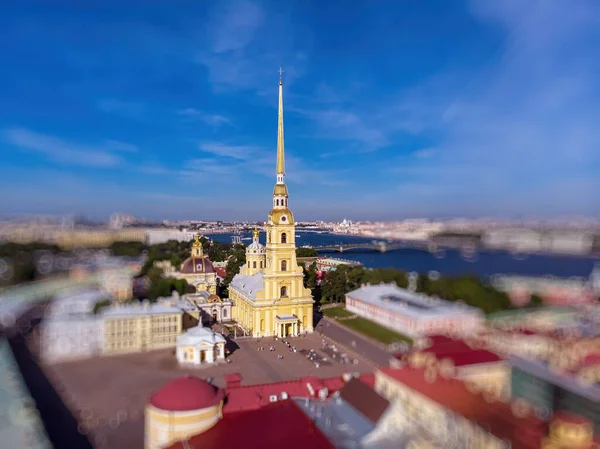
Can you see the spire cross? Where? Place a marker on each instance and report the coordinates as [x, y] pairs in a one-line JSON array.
[[280, 73]]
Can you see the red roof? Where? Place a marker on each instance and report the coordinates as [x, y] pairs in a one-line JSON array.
[[497, 418], [197, 265], [472, 357], [279, 424], [437, 340], [459, 352], [186, 393], [590, 359], [250, 397], [235, 377]]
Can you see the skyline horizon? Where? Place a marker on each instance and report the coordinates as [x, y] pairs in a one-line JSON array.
[[484, 110]]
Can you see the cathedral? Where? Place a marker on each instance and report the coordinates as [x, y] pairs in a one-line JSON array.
[[269, 294]]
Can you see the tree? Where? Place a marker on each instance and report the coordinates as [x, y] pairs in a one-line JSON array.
[[536, 301], [310, 277], [131, 249], [306, 252], [100, 305]]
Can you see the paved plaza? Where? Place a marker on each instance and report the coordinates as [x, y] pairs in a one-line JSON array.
[[100, 390]]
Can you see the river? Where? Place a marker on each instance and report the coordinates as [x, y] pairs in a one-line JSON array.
[[449, 262]]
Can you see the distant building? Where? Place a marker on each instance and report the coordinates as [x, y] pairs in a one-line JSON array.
[[66, 337], [412, 313], [554, 291], [329, 263], [156, 236]]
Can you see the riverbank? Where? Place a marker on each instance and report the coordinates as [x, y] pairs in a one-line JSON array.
[[451, 262]]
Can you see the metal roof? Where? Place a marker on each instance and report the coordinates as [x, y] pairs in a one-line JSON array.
[[399, 300], [248, 284]]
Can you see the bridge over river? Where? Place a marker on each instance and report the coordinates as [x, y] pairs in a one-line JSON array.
[[375, 245]]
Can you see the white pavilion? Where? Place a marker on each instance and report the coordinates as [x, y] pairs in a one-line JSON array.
[[200, 345]]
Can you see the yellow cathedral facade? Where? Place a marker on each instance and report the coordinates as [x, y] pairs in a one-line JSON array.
[[269, 294]]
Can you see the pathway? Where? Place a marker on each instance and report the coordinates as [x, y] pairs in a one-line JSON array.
[[363, 347]]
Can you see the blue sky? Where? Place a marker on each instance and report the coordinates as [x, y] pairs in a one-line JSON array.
[[393, 109]]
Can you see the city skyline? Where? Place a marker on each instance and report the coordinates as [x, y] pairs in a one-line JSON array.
[[480, 110]]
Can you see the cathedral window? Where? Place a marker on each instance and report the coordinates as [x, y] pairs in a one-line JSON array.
[[283, 292], [277, 202], [254, 264], [261, 264], [284, 265], [283, 237]]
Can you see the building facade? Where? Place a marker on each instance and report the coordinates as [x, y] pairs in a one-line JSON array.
[[273, 300], [141, 327], [411, 313]]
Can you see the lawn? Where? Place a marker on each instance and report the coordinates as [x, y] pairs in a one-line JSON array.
[[374, 330], [337, 312]]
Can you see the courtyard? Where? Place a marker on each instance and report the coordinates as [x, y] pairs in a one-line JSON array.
[[107, 395]]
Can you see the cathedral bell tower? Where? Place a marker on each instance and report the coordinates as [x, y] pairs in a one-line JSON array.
[[269, 294]]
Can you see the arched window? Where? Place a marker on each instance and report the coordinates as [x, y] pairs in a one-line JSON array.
[[284, 265], [283, 292], [254, 264], [277, 202], [283, 237], [261, 264]]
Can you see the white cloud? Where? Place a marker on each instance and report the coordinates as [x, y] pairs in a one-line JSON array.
[[343, 125], [214, 120], [234, 24], [241, 152], [208, 166], [62, 151], [246, 46]]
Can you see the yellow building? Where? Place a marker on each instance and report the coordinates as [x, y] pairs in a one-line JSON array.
[[272, 300], [137, 327]]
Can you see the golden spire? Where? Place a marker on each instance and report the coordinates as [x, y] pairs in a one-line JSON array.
[[255, 234], [197, 250], [197, 241], [280, 150]]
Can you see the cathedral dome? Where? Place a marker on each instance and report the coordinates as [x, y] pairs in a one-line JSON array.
[[197, 265], [186, 394], [281, 216], [256, 247]]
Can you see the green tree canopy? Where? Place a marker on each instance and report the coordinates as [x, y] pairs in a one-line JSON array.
[[306, 252]]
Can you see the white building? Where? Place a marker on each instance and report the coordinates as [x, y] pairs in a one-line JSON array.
[[200, 345], [71, 337], [412, 313], [155, 236], [76, 302]]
